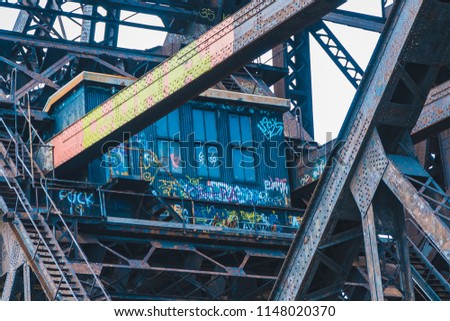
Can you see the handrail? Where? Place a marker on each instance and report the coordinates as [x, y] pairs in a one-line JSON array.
[[256, 83], [437, 190], [423, 285], [433, 244], [80, 251], [23, 147], [17, 146], [31, 125], [41, 238], [430, 266], [99, 284]]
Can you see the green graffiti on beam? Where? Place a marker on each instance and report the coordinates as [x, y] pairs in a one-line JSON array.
[[166, 79]]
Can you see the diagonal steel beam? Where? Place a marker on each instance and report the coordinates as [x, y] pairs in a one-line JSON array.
[[337, 52], [419, 209], [30, 73], [22, 91], [356, 20], [83, 48], [435, 115]]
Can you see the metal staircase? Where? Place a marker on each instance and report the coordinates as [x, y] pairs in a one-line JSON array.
[[427, 278], [429, 282], [434, 195], [427, 204], [45, 255]]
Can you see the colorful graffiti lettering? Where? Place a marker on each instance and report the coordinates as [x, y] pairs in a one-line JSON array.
[[312, 172], [79, 202], [201, 158], [295, 221], [270, 127], [213, 159], [167, 188], [276, 193], [242, 219], [193, 181], [180, 210], [277, 184]]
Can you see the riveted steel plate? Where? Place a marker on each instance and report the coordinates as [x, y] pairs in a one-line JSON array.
[[369, 173]]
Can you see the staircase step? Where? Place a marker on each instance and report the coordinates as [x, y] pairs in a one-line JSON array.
[[65, 292], [57, 278], [52, 266], [47, 255], [35, 236]]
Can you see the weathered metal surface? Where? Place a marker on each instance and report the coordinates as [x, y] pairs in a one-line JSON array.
[[76, 47], [368, 174], [444, 142], [30, 73], [12, 259], [9, 285], [409, 28], [187, 268], [436, 113], [224, 48], [83, 269], [372, 257], [419, 209], [298, 84], [246, 98], [26, 282], [337, 52], [192, 231], [356, 20]]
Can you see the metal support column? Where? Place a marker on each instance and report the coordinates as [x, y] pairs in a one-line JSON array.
[[26, 282], [372, 257], [299, 86]]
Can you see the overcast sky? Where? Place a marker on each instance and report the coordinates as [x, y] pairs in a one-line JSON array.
[[332, 92]]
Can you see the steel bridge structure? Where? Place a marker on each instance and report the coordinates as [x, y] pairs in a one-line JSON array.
[[374, 226]]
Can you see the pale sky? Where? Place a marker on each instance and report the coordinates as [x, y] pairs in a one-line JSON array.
[[332, 92]]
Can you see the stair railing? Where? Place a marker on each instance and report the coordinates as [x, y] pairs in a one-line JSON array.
[[17, 159], [439, 205], [72, 237], [27, 208], [53, 205], [427, 239], [432, 270]]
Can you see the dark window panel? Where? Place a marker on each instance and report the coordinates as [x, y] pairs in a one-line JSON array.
[[238, 170], [235, 134], [210, 126], [199, 127]]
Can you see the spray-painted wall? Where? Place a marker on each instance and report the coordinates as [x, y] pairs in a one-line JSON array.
[[204, 169], [203, 139]]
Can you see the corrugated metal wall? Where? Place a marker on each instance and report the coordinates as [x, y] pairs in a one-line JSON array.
[[262, 204], [271, 186]]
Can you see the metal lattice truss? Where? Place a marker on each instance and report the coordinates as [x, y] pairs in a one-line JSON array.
[[370, 225]]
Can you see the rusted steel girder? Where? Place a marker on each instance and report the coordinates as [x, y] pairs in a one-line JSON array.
[[226, 47], [419, 209], [435, 115], [412, 48]]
